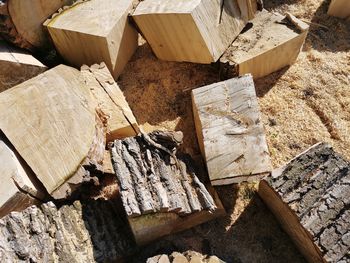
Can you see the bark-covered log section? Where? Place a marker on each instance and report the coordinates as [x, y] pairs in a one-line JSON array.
[[311, 198], [91, 232], [159, 189]]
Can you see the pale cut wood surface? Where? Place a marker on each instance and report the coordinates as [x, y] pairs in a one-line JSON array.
[[310, 196], [17, 66], [273, 42], [95, 31], [230, 132], [111, 100], [196, 31], [50, 120], [339, 8], [160, 190], [22, 21]]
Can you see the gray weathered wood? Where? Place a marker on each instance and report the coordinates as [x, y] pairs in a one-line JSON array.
[[82, 232], [230, 132], [311, 198]]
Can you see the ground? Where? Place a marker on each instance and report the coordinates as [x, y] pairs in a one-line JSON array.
[[301, 105]]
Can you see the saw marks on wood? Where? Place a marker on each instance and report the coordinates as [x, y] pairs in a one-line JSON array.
[[195, 31], [83, 232], [161, 192], [17, 66], [95, 31], [310, 196], [229, 130], [273, 42]]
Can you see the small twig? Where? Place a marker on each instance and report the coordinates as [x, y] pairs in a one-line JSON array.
[[315, 24]]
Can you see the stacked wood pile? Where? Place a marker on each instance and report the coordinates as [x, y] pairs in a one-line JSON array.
[[64, 127], [186, 257]]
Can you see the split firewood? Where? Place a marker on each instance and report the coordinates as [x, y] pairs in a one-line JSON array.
[[272, 43], [160, 190], [58, 120], [339, 8], [310, 197], [95, 31], [195, 31], [186, 257], [21, 21], [230, 132], [16, 66], [19, 187], [83, 232]]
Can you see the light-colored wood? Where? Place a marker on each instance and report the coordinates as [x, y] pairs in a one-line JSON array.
[[19, 188], [195, 31], [95, 31], [230, 132], [273, 42], [310, 197], [339, 8], [16, 66], [22, 21]]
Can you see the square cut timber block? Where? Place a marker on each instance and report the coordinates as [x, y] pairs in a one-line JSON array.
[[339, 8], [17, 66], [19, 187], [310, 197], [196, 31], [230, 132], [95, 31], [58, 120], [160, 189], [272, 43]]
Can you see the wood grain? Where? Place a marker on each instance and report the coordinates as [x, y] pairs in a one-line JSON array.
[[229, 130]]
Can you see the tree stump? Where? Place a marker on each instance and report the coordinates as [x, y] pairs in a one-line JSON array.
[[310, 197], [229, 131], [160, 190]]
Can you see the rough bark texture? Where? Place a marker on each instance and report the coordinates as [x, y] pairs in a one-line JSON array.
[[153, 179], [91, 232], [316, 187]]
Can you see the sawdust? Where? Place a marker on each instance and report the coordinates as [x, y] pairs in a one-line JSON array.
[[301, 105]]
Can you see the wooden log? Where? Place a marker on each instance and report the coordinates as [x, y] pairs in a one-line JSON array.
[[186, 257], [339, 8], [310, 196], [95, 31], [229, 130], [273, 42], [195, 31], [17, 66], [21, 21], [19, 187], [160, 192], [58, 126], [83, 232]]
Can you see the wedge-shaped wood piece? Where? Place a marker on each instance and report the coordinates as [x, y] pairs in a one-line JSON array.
[[90, 231], [160, 190], [17, 66], [310, 197], [57, 122], [19, 187], [339, 8], [272, 43], [95, 31], [229, 131], [22, 21], [190, 30]]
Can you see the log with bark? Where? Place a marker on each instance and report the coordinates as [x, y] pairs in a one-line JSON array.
[[230, 132], [339, 8], [58, 121], [91, 231], [95, 31], [160, 190], [16, 66], [272, 42], [310, 197], [195, 31], [21, 21]]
